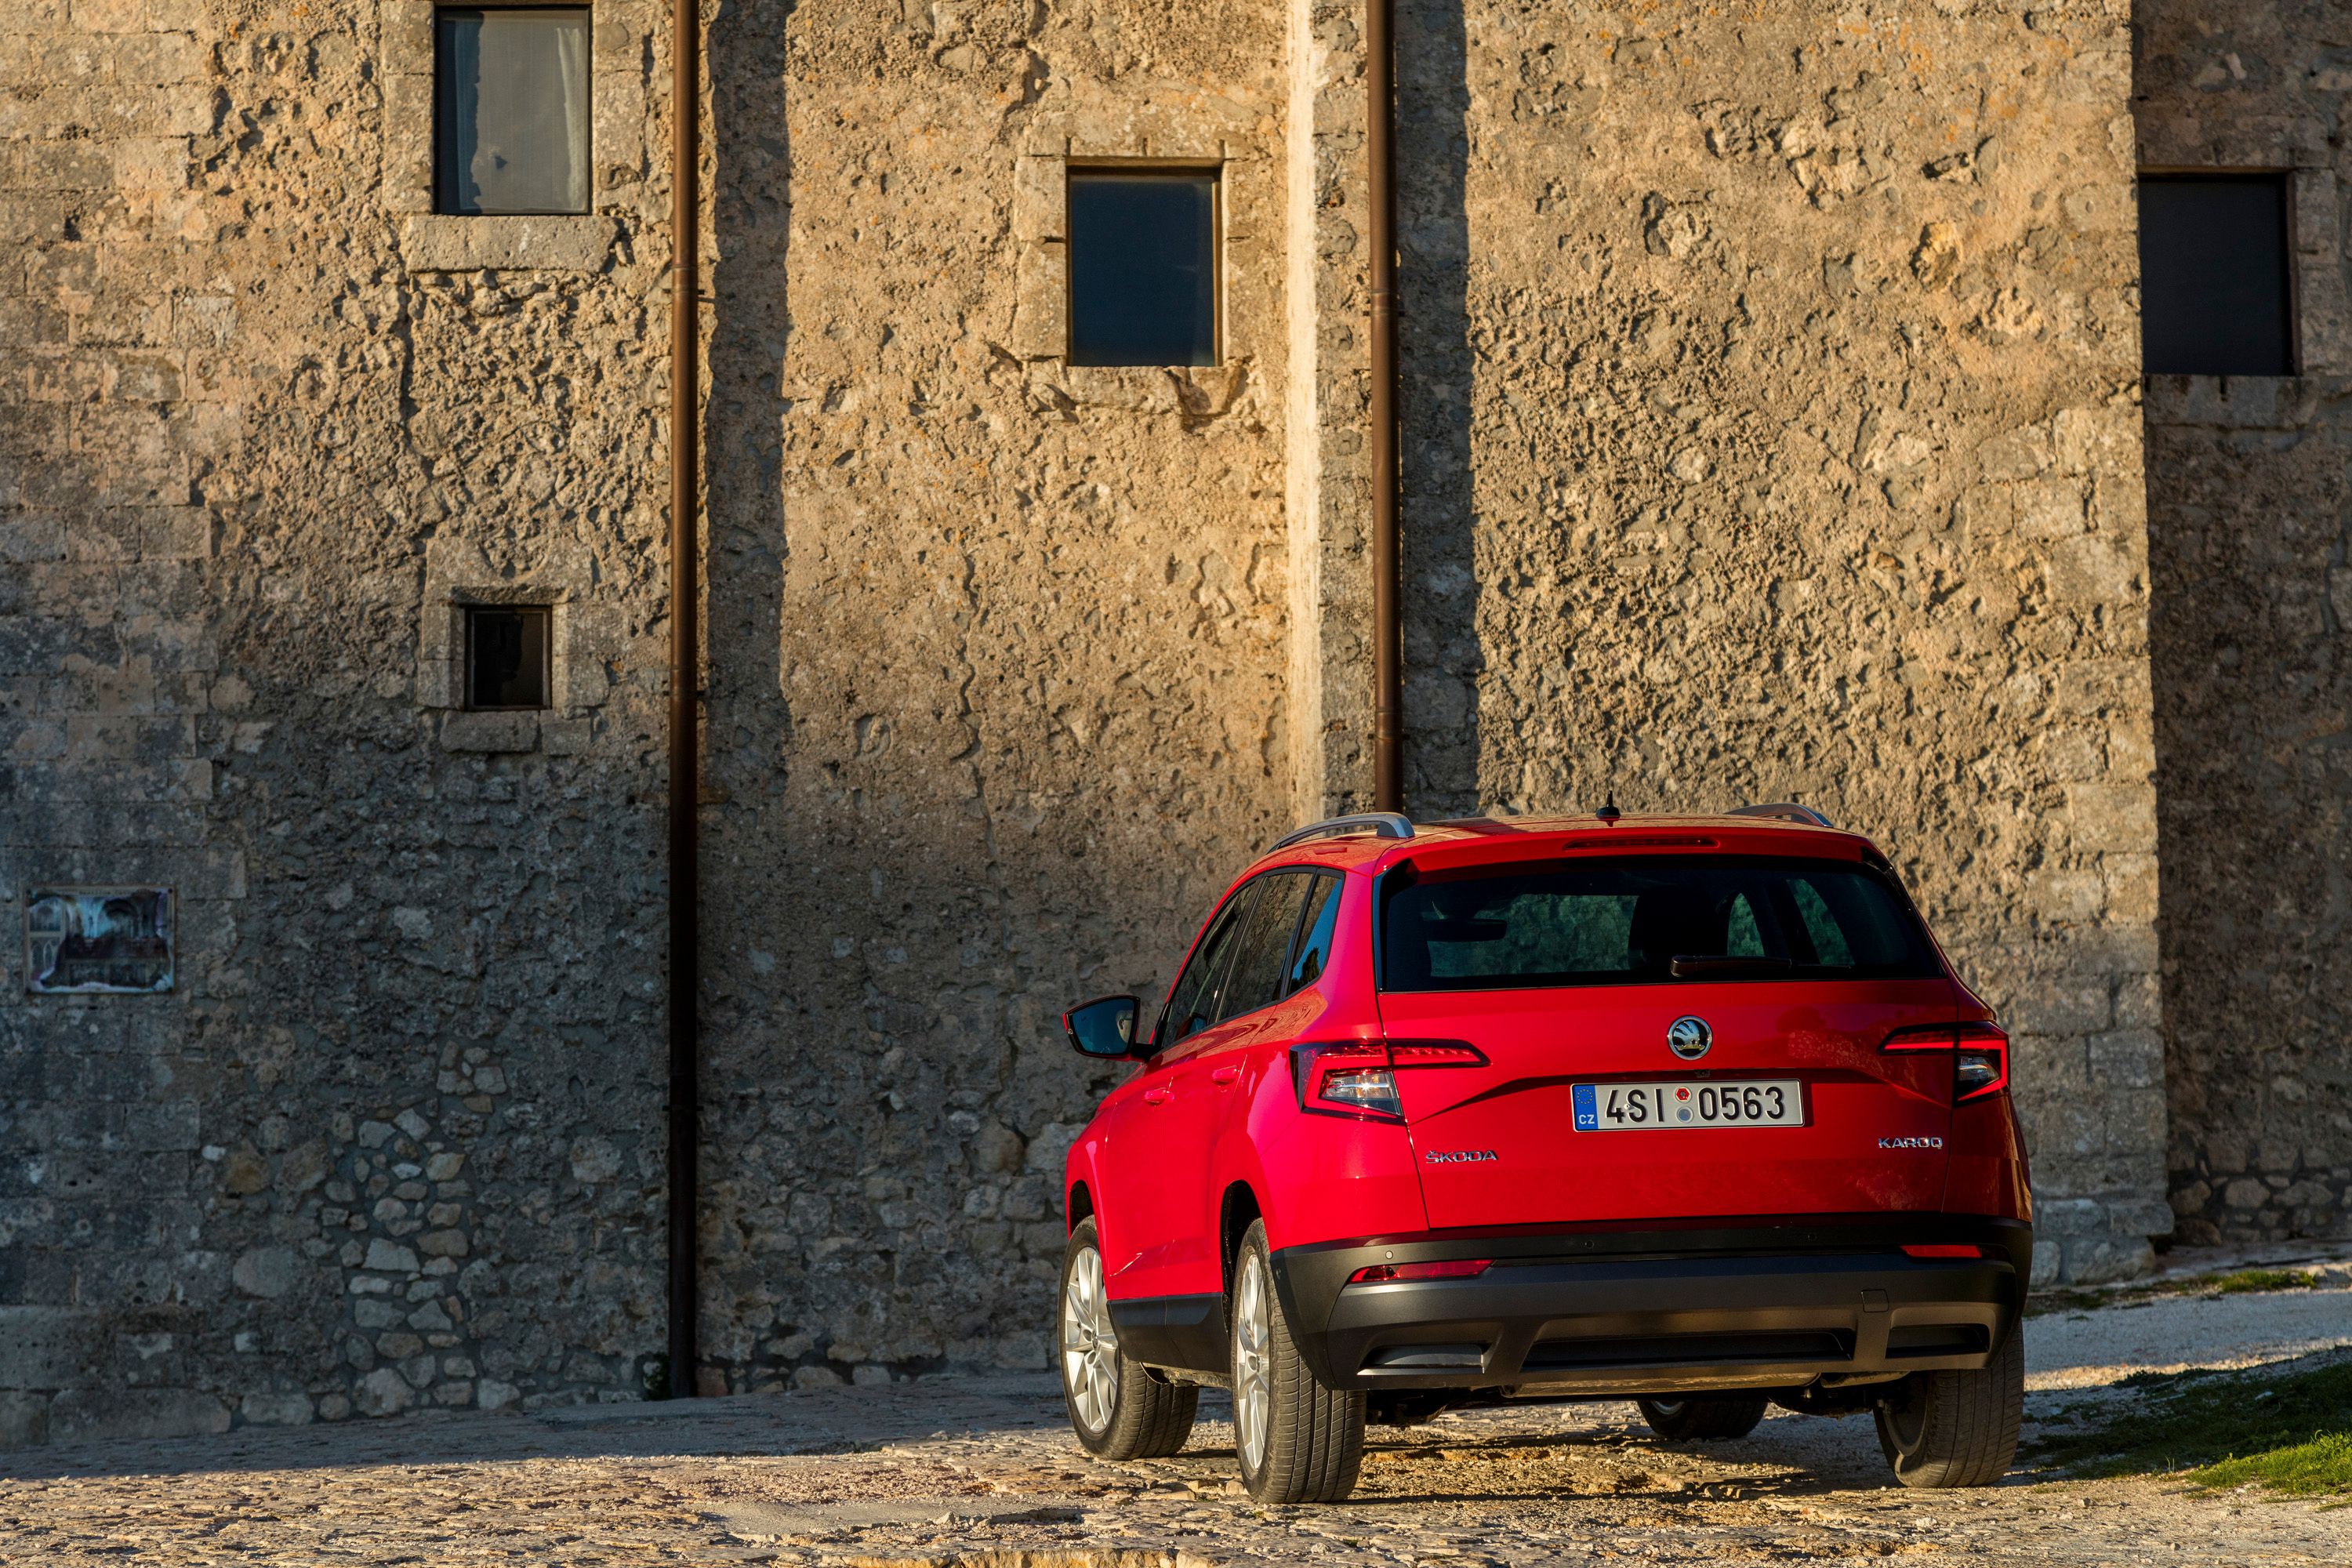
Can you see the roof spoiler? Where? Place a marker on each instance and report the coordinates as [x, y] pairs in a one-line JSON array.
[[1782, 811], [1387, 823]]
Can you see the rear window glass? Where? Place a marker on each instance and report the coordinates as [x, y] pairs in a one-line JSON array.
[[1651, 921]]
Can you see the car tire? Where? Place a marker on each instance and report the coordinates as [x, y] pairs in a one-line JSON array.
[[1119, 1408], [1297, 1441], [1957, 1428], [1702, 1418]]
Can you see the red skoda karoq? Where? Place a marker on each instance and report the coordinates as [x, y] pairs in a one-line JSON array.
[[1687, 1110]]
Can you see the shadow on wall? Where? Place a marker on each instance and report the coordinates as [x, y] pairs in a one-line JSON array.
[[1441, 655], [2252, 697], [747, 723]]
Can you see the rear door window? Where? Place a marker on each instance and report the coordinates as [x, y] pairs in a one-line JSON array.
[[1265, 948], [1647, 922]]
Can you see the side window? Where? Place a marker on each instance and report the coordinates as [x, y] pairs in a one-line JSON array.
[[1266, 945], [1319, 927], [1192, 1004]]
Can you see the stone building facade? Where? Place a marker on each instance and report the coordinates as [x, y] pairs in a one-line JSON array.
[[1773, 427]]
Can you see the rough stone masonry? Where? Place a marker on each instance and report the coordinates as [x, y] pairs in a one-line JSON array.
[[1774, 428]]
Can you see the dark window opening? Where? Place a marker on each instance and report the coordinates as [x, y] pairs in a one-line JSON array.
[[1143, 267], [505, 656], [511, 110], [2215, 293]]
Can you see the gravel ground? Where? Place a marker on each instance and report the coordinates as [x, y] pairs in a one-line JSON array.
[[982, 1471]]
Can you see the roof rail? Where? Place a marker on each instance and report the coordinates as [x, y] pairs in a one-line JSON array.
[[1387, 823], [1782, 811]]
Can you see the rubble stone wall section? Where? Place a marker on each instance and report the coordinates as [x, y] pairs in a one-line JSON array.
[[1773, 434], [267, 425], [2251, 543]]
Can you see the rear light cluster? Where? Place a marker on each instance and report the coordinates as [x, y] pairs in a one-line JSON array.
[[1451, 1269], [1979, 1054], [1357, 1077]]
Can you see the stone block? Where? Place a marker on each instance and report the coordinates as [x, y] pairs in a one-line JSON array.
[[2117, 816], [23, 1421], [89, 1415], [492, 731], [1040, 328], [48, 1347], [276, 1410], [440, 243]]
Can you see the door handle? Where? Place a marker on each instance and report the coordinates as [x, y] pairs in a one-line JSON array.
[[1156, 1096], [1223, 1074]]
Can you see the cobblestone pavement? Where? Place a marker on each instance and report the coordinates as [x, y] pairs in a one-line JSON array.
[[982, 1472]]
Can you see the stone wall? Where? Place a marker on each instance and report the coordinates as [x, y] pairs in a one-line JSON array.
[[1774, 434], [394, 1139], [997, 645], [1771, 430], [2247, 482]]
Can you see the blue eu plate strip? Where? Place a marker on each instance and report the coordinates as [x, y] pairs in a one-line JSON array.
[[1588, 1109]]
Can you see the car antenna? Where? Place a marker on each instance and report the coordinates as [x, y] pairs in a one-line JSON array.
[[1609, 812]]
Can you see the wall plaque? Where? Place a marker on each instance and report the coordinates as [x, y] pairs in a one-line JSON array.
[[94, 941]]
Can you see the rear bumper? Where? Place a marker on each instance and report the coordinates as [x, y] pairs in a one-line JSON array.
[[1755, 1306]]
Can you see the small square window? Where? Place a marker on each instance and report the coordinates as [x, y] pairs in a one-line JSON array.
[[505, 656], [511, 110], [2215, 297], [1143, 267]]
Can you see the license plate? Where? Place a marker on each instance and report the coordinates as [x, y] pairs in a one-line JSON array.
[[1664, 1106]]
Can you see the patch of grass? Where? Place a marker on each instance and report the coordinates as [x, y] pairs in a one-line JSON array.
[[2245, 1279], [2236, 1282], [2293, 1434]]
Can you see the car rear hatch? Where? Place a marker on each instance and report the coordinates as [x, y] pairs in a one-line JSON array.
[[1661, 1037]]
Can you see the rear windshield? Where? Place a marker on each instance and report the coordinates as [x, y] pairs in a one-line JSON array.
[[1648, 922]]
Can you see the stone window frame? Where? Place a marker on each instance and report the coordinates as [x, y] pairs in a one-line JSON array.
[[559, 585], [620, 42], [1040, 328]]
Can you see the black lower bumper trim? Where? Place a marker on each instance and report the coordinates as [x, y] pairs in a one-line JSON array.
[[1751, 1306]]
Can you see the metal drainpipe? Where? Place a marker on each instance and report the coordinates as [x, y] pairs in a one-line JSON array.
[[1388, 630], [685, 682]]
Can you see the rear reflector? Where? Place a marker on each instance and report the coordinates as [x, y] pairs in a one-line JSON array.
[[1451, 1269], [1944, 1249]]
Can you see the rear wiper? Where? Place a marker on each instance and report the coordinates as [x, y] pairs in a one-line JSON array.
[[1692, 965]]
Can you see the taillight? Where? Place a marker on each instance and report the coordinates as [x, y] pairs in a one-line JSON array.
[[1944, 1249], [1979, 1054], [1451, 1269], [1357, 1077]]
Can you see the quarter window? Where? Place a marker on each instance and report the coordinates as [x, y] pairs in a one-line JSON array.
[[511, 110], [2214, 291], [1316, 929], [1143, 267]]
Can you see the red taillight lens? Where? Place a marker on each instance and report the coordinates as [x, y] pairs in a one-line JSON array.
[[1944, 1249], [1979, 1054], [1452, 1268], [1357, 1077]]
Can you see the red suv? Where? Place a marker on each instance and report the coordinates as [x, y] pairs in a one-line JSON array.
[[1691, 1110]]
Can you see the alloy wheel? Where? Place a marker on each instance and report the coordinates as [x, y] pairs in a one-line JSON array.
[[1253, 1363], [1090, 1344]]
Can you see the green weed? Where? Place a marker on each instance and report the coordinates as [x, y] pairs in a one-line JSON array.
[[2291, 1434]]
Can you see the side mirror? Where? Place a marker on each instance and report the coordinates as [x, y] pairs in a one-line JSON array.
[[1103, 1027]]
